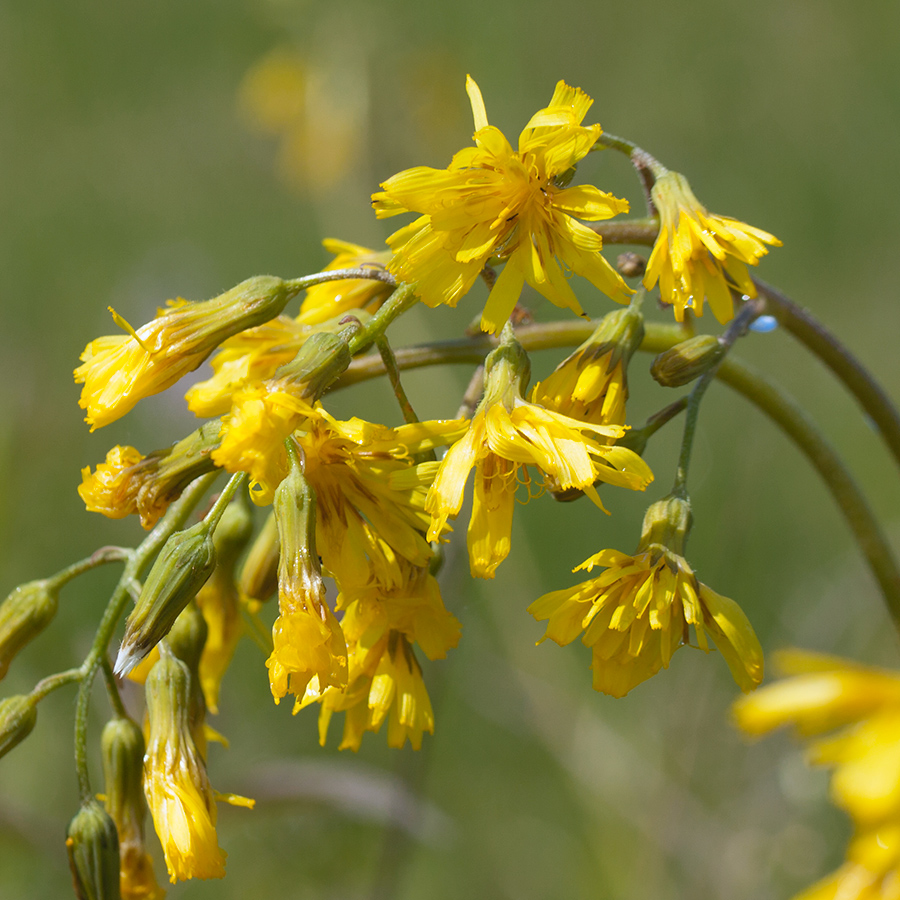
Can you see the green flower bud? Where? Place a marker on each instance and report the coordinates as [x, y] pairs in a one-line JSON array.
[[259, 574], [93, 846], [183, 566], [322, 358], [666, 525], [122, 749], [24, 614], [18, 715], [686, 361]]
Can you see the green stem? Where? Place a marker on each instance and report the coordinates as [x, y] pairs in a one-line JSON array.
[[648, 167], [738, 327], [112, 689], [369, 273], [52, 682], [138, 561], [99, 558], [857, 379], [237, 481], [393, 373], [796, 423], [403, 299]]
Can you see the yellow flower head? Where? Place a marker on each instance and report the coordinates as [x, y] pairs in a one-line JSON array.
[[308, 644], [636, 613], [120, 370], [336, 298], [513, 205], [699, 256], [590, 385], [365, 524], [507, 434], [381, 625], [860, 704], [130, 483], [178, 793]]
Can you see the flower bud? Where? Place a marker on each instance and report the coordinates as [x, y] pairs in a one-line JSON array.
[[18, 715], [93, 846], [24, 614], [666, 524], [686, 361], [323, 358], [184, 564], [258, 579]]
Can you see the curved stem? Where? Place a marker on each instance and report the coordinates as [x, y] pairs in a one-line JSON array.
[[796, 423], [139, 559], [858, 380], [370, 273], [53, 682]]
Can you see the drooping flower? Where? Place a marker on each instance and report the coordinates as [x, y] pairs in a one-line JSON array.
[[512, 205], [119, 370], [308, 644], [385, 679], [506, 434], [860, 706], [336, 298], [637, 612], [176, 785], [699, 256], [128, 482], [367, 524], [590, 385]]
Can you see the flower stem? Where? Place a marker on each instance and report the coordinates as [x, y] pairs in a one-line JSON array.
[[796, 423], [370, 273], [138, 560], [736, 329], [403, 299], [857, 379], [393, 373]]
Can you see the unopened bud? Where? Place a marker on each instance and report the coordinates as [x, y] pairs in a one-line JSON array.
[[18, 715], [183, 566], [24, 614], [122, 748], [686, 361], [259, 574], [321, 359], [666, 524], [93, 846]]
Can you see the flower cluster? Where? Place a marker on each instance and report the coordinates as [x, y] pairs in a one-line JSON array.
[[359, 509]]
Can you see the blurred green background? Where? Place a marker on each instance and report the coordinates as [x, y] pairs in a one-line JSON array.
[[137, 163]]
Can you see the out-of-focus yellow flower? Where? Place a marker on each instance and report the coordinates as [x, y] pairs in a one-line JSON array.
[[366, 524], [130, 483], [120, 370], [512, 205], [636, 613], [336, 298], [699, 256], [176, 785], [308, 644], [861, 705], [508, 433], [385, 683]]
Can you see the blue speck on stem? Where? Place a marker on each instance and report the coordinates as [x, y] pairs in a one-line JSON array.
[[764, 324]]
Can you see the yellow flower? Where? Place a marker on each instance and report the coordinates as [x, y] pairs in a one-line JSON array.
[[365, 525], [130, 483], [253, 434], [120, 370], [699, 256], [826, 694], [636, 613], [512, 205], [176, 785], [508, 433], [590, 385], [385, 684], [861, 705], [308, 644], [336, 298]]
